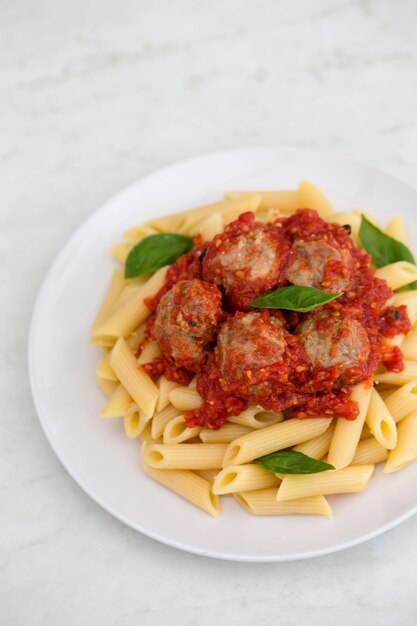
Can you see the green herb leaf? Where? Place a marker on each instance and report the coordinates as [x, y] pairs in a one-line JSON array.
[[292, 462], [154, 252], [294, 298], [382, 248]]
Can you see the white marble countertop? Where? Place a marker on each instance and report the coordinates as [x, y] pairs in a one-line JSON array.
[[94, 95]]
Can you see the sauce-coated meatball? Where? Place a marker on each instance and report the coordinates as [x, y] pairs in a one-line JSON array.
[[332, 341], [247, 343], [248, 259], [320, 263], [186, 322]]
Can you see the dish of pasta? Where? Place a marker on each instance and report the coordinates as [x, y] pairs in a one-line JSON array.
[[259, 350]]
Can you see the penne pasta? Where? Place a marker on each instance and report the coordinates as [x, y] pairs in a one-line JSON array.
[[228, 209], [236, 478], [128, 317], [348, 480], [165, 388], [146, 435], [176, 431], [208, 474], [209, 227], [185, 398], [286, 201], [397, 230], [106, 386], [150, 352], [381, 422], [136, 233], [409, 346], [136, 382], [120, 251], [186, 455], [134, 421], [136, 338], [104, 369], [318, 446], [186, 484], [114, 290], [273, 438], [347, 433], [369, 451], [264, 502], [402, 401], [256, 417], [161, 419], [397, 274], [311, 197], [406, 449], [408, 374], [225, 434], [118, 403]]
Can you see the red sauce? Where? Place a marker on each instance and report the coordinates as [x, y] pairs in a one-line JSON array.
[[161, 365], [394, 321], [292, 382]]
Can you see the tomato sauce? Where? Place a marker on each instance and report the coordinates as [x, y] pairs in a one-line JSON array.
[[292, 383]]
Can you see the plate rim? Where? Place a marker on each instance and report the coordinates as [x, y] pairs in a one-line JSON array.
[[298, 556]]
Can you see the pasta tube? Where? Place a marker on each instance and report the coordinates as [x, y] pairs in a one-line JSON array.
[[312, 198], [237, 478], [162, 418], [118, 403], [381, 422], [176, 431], [186, 484], [347, 433], [406, 450], [369, 451], [318, 446], [402, 401], [134, 421], [136, 382], [185, 398], [186, 455], [408, 374], [397, 274], [225, 434], [256, 417], [272, 438], [264, 502], [128, 317], [285, 201], [347, 480], [397, 230], [114, 290]]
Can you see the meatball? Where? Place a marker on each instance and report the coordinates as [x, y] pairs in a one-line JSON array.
[[320, 263], [248, 259], [186, 322], [332, 341], [246, 344]]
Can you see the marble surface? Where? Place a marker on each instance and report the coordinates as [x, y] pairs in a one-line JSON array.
[[93, 96]]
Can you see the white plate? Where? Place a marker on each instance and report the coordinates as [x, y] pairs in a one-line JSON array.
[[62, 363]]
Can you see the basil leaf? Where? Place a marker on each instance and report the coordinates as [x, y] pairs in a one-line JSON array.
[[292, 462], [154, 252], [382, 248], [294, 298]]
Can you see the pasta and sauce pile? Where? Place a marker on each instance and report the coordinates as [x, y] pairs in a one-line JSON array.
[[265, 347]]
